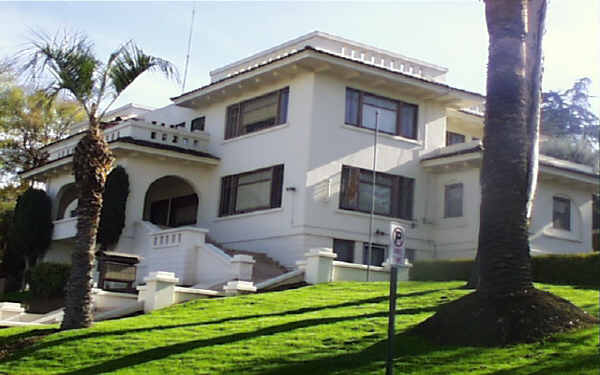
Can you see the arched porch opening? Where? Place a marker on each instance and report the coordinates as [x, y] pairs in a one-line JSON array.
[[66, 202], [171, 202]]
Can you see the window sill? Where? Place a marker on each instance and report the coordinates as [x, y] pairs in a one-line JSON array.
[[381, 134], [260, 132], [562, 235], [452, 222], [408, 223], [249, 214]]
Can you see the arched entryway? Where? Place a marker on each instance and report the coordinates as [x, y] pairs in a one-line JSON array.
[[171, 202], [66, 202]]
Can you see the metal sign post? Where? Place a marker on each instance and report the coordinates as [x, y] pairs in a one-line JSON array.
[[397, 249]]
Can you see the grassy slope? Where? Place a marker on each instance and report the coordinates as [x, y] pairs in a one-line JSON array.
[[329, 328]]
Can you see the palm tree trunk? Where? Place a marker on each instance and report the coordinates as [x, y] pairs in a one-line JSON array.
[[505, 264], [91, 161]]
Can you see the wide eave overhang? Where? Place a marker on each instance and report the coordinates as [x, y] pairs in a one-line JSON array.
[[470, 156], [310, 59], [127, 145]]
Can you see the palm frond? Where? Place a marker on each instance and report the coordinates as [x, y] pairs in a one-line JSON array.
[[131, 61], [68, 59]]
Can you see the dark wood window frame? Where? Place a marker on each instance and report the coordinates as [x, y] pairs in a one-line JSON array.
[[339, 248], [198, 123], [400, 129], [453, 138], [402, 196], [375, 248], [229, 191], [234, 114], [449, 211], [561, 220], [163, 212]]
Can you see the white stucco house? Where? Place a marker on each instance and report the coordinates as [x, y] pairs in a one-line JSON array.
[[274, 156]]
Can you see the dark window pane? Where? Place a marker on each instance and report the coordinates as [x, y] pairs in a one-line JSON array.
[[283, 106], [352, 100], [410, 254], [231, 128], [198, 123], [183, 210], [252, 191], [408, 121], [159, 212], [393, 194], [344, 250], [561, 213], [453, 200], [377, 254], [454, 138], [595, 211]]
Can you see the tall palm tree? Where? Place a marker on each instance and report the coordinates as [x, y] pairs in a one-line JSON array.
[[68, 62], [509, 168], [506, 308]]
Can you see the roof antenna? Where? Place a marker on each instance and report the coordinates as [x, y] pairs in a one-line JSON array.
[[189, 49]]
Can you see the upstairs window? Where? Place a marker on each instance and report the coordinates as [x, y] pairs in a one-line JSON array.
[[198, 123], [454, 138], [453, 200], [395, 117], [561, 213], [257, 114], [393, 194], [251, 191]]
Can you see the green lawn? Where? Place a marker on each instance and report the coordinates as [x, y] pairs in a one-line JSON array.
[[337, 328]]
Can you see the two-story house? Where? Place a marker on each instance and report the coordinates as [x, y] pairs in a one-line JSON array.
[[276, 154]]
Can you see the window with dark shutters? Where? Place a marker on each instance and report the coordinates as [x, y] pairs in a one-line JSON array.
[[393, 194], [251, 191], [257, 113]]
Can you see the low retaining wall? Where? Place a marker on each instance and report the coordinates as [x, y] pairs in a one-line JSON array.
[[320, 267]]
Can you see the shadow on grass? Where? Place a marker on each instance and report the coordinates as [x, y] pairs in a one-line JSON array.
[[303, 310], [406, 346], [409, 347], [168, 350]]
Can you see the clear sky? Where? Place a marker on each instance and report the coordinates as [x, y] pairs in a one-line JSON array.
[[448, 33]]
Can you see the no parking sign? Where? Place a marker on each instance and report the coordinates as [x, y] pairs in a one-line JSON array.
[[397, 244]]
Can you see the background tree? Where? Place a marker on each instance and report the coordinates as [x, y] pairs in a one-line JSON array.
[[29, 121], [506, 308], [68, 63], [568, 113], [112, 215], [32, 228]]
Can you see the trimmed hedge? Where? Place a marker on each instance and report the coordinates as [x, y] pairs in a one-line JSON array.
[[49, 280], [572, 269], [441, 270]]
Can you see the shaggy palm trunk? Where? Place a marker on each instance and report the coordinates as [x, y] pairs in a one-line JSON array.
[[91, 161], [510, 146]]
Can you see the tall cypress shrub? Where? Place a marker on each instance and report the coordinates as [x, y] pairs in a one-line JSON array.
[[112, 215], [32, 229]]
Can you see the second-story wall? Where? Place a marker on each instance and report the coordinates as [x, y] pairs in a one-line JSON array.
[[334, 144]]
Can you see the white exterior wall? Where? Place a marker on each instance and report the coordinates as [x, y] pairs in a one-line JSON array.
[[313, 145], [334, 144], [546, 239]]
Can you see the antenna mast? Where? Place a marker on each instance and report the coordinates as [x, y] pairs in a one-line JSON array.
[[189, 49]]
